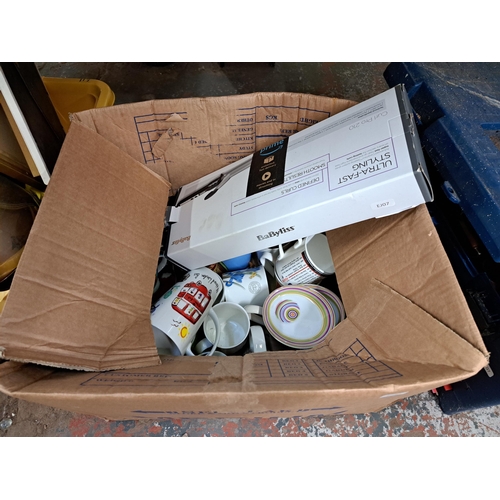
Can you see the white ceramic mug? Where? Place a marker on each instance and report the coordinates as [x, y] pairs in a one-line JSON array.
[[248, 286], [256, 338], [308, 261], [234, 327], [179, 313], [267, 258]]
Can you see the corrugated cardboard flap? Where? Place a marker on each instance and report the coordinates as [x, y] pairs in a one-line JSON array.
[[185, 139], [404, 253], [410, 342], [82, 292]]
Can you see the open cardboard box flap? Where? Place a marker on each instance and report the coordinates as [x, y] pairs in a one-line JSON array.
[[82, 291], [82, 294], [185, 139]]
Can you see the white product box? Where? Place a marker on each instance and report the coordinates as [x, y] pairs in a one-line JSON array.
[[361, 163]]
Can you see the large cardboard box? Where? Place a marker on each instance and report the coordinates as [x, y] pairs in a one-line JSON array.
[[76, 326]]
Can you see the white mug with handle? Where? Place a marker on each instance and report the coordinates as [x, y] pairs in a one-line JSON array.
[[247, 286], [179, 313], [308, 261], [234, 327]]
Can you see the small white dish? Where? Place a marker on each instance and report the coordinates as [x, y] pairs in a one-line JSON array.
[[298, 316], [334, 300]]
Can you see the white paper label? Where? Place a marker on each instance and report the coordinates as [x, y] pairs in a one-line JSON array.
[[383, 204]]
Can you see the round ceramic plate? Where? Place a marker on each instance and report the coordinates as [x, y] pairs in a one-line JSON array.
[[298, 316], [334, 300]]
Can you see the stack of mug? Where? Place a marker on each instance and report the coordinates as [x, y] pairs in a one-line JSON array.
[[234, 306]]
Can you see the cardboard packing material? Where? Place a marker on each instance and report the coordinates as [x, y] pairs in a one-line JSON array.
[[76, 329]]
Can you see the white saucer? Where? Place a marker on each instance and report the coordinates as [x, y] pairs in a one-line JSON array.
[[298, 316], [334, 300]]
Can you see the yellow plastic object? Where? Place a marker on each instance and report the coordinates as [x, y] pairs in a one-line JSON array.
[[36, 193], [71, 95], [18, 209], [9, 265], [3, 299]]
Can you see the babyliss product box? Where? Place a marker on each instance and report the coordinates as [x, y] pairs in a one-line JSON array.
[[364, 162]]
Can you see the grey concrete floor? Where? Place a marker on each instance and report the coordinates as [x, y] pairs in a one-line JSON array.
[[132, 82]]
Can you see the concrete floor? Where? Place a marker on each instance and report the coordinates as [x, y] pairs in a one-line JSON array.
[[415, 416]]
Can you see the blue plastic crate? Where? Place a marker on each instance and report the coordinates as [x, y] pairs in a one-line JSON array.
[[457, 106]]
